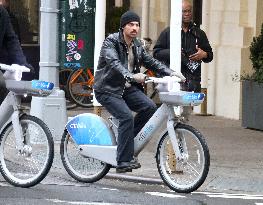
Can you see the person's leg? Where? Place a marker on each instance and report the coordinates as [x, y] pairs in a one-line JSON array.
[[141, 104], [118, 109]]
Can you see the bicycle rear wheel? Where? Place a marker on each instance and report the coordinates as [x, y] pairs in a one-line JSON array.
[[63, 78], [29, 166], [83, 169], [80, 88], [188, 174]]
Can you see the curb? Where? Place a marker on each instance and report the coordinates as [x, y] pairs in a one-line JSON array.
[[136, 179]]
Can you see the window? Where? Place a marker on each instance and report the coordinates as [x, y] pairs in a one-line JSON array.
[[25, 19]]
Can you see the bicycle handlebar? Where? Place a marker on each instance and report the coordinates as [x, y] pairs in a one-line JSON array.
[[14, 67], [164, 80], [167, 83], [14, 71], [171, 93], [34, 87]]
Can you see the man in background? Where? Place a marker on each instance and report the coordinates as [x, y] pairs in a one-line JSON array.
[[195, 49]]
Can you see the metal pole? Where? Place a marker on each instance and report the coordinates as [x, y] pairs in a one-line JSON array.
[[145, 19], [204, 73], [100, 17], [52, 109], [175, 32], [175, 41], [175, 59]]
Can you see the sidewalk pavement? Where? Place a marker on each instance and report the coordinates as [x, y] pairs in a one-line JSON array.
[[236, 160]]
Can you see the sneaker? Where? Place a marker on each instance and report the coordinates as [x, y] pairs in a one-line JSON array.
[[127, 166], [123, 167], [135, 164]]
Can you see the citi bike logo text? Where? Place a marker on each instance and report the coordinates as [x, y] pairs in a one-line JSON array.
[[78, 125], [193, 97], [42, 85], [144, 134]]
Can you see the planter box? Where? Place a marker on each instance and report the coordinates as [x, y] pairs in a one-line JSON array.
[[252, 105]]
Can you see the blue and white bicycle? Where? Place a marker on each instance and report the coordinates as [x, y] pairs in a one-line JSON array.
[[26, 144], [89, 143]]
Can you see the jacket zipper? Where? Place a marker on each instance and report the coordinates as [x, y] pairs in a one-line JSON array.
[[127, 52]]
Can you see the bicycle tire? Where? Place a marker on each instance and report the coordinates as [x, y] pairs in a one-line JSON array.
[[79, 167], [79, 90], [63, 78], [29, 167], [185, 176]]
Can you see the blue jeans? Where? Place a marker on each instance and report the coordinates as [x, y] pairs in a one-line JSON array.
[[135, 100]]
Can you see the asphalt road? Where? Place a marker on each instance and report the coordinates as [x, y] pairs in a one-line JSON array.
[[60, 190]]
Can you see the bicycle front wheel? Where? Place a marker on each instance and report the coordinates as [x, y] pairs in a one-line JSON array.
[[80, 88], [81, 168], [28, 166], [188, 174]]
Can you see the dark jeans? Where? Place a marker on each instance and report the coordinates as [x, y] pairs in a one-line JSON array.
[[121, 108], [191, 85]]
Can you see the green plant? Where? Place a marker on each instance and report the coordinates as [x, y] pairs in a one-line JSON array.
[[256, 56]]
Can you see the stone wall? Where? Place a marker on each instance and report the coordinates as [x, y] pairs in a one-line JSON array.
[[230, 26]]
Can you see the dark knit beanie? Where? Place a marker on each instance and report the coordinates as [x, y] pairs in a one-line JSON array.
[[128, 17]]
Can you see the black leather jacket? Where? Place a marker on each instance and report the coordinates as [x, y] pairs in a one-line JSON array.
[[112, 71]]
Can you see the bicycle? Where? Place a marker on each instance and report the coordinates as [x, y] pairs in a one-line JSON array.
[[80, 87], [26, 143], [89, 144]]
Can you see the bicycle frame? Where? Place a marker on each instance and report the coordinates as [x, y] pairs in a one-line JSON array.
[[108, 153], [10, 108]]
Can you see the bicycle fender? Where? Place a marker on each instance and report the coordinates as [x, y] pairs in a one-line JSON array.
[[90, 129]]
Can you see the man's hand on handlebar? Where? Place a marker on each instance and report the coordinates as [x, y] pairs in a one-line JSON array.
[[139, 77], [179, 75], [14, 71]]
